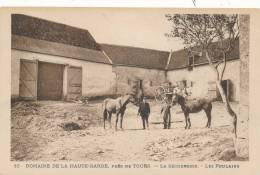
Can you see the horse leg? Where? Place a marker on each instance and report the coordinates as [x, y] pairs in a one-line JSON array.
[[121, 121], [189, 122], [186, 120], [117, 114], [104, 122], [110, 116], [208, 114], [209, 118], [207, 125]]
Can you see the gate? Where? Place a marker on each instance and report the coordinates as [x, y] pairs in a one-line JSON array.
[[28, 79]]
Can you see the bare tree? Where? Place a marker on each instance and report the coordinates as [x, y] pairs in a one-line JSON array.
[[213, 36]]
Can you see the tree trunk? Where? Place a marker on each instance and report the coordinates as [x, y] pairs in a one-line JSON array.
[[222, 93], [228, 107]]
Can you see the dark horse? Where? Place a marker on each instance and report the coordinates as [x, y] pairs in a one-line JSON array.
[[194, 106], [116, 106]]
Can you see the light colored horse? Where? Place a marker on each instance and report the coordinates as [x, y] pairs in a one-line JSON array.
[[116, 106]]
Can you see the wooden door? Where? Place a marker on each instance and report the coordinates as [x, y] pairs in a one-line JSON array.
[[50, 81], [28, 80], [212, 90], [226, 87], [74, 82]]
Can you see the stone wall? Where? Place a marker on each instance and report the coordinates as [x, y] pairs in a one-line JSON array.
[[150, 78], [244, 57], [242, 146]]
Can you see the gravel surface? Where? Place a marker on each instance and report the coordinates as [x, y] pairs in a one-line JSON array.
[[56, 131]]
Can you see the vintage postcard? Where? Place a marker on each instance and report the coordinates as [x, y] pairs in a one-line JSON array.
[[129, 90]]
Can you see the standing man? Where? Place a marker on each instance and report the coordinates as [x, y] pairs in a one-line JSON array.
[[144, 112], [166, 115]]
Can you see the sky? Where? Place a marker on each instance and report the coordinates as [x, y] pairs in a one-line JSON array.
[[131, 27]]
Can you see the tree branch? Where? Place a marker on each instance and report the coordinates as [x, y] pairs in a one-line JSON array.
[[211, 64], [224, 67]]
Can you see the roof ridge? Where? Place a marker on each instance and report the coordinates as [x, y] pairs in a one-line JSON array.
[[117, 45], [39, 18]]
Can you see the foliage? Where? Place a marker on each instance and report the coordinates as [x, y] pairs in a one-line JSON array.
[[212, 35], [203, 29]]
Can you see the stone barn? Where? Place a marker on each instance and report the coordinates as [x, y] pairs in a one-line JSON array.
[[142, 67], [52, 61]]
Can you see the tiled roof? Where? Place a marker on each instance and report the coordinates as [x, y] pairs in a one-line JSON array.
[[41, 29], [57, 49], [138, 57], [179, 59]]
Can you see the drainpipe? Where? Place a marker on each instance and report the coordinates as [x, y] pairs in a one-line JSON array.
[[110, 61], [168, 62]]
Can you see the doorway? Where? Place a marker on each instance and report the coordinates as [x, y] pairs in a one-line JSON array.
[[50, 81]]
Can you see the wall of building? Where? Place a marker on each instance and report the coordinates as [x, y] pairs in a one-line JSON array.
[[201, 75], [97, 80], [151, 78], [244, 54]]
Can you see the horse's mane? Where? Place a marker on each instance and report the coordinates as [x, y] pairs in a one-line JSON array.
[[181, 99], [125, 98]]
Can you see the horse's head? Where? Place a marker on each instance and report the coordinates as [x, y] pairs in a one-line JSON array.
[[177, 96], [129, 98]]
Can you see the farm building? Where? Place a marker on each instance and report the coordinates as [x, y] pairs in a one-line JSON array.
[[195, 73], [143, 68], [52, 61]]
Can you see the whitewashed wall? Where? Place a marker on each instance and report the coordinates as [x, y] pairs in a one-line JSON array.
[[201, 75], [97, 80]]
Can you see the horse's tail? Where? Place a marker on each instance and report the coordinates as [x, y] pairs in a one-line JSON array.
[[104, 109], [105, 114]]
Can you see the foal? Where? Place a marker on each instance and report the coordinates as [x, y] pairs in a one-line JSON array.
[[194, 106]]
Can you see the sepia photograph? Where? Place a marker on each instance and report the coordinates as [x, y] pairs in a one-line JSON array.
[[118, 85]]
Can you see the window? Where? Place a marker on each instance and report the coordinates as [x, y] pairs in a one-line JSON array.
[[184, 82]]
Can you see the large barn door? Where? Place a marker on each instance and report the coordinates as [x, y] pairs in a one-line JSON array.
[[74, 82], [28, 80], [50, 81]]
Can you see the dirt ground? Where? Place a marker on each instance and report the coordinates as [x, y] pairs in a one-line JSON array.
[[44, 131]]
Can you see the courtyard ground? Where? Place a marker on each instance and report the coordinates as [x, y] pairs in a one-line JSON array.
[[56, 130]]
